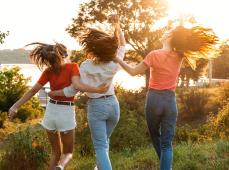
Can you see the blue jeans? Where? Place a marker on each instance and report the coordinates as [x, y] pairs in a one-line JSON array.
[[103, 115], [161, 116]]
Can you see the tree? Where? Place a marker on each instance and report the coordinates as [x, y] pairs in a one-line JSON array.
[[138, 18], [187, 73], [220, 68], [77, 56], [3, 35]]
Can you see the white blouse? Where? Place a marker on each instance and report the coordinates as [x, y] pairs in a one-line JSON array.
[[97, 74]]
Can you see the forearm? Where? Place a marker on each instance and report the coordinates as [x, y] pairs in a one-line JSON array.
[[84, 87], [58, 93], [25, 98], [120, 36], [127, 67]]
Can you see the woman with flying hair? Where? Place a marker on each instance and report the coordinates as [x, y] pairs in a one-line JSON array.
[[164, 64], [59, 119], [103, 109]]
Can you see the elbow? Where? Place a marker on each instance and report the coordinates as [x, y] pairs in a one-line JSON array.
[[133, 73]]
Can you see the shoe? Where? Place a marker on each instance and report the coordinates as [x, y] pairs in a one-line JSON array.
[[59, 167]]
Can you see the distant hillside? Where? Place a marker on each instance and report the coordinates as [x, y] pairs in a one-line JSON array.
[[17, 56]]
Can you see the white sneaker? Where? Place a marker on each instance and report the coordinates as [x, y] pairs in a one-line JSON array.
[[96, 168], [59, 167]]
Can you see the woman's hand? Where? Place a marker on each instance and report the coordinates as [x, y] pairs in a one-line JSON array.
[[51, 94], [12, 112], [103, 88], [114, 19]]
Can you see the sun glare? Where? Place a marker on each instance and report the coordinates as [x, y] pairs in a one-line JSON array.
[[211, 13]]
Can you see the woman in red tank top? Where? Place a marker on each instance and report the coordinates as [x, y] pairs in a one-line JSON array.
[[59, 119]]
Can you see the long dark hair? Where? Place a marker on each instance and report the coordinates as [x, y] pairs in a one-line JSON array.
[[46, 55], [101, 45], [193, 43]]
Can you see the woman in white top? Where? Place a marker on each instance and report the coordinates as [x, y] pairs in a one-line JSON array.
[[103, 109]]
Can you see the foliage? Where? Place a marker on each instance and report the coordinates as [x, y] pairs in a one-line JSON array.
[[187, 73], [3, 116], [12, 86], [218, 125], [137, 17], [77, 56], [192, 103], [25, 149], [220, 65], [131, 131], [31, 110], [3, 35]]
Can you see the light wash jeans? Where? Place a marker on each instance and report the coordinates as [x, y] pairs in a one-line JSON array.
[[161, 116], [103, 115]]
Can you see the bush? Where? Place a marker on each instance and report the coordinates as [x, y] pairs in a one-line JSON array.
[[218, 125], [192, 103], [3, 116], [12, 86], [32, 109], [25, 149]]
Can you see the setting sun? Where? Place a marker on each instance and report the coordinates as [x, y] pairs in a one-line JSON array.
[[209, 13]]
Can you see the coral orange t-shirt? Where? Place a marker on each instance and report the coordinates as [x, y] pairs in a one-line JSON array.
[[164, 69], [60, 80]]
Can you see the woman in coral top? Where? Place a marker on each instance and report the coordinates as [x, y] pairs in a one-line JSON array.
[[164, 64], [59, 119]]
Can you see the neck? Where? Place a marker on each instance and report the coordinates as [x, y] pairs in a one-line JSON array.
[[166, 47]]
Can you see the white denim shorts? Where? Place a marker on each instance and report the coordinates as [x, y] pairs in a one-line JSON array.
[[59, 117]]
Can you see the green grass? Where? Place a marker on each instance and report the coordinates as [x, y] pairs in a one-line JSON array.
[[187, 156]]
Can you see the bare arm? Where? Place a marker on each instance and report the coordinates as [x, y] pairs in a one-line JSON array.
[[138, 69], [86, 88], [76, 86], [28, 95], [118, 32]]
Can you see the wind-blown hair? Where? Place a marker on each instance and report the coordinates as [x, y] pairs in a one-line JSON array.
[[102, 46], [46, 55], [193, 43]]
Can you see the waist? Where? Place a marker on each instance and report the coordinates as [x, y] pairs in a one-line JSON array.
[[61, 102], [165, 92], [102, 97], [161, 90]]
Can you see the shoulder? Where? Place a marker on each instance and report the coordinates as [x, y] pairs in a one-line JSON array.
[[71, 65]]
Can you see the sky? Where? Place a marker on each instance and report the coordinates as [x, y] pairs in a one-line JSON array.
[[37, 20], [46, 20]]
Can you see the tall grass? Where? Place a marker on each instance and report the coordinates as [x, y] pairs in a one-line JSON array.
[[25, 150], [187, 156]]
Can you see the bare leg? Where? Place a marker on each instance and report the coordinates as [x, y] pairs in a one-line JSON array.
[[54, 139], [68, 143]]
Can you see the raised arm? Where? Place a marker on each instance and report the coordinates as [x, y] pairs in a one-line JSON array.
[[13, 110], [114, 19], [138, 69]]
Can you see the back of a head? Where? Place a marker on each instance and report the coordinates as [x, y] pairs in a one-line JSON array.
[[101, 45], [46, 55], [193, 40]]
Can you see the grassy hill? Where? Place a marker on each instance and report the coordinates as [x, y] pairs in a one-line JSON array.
[[17, 56]]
